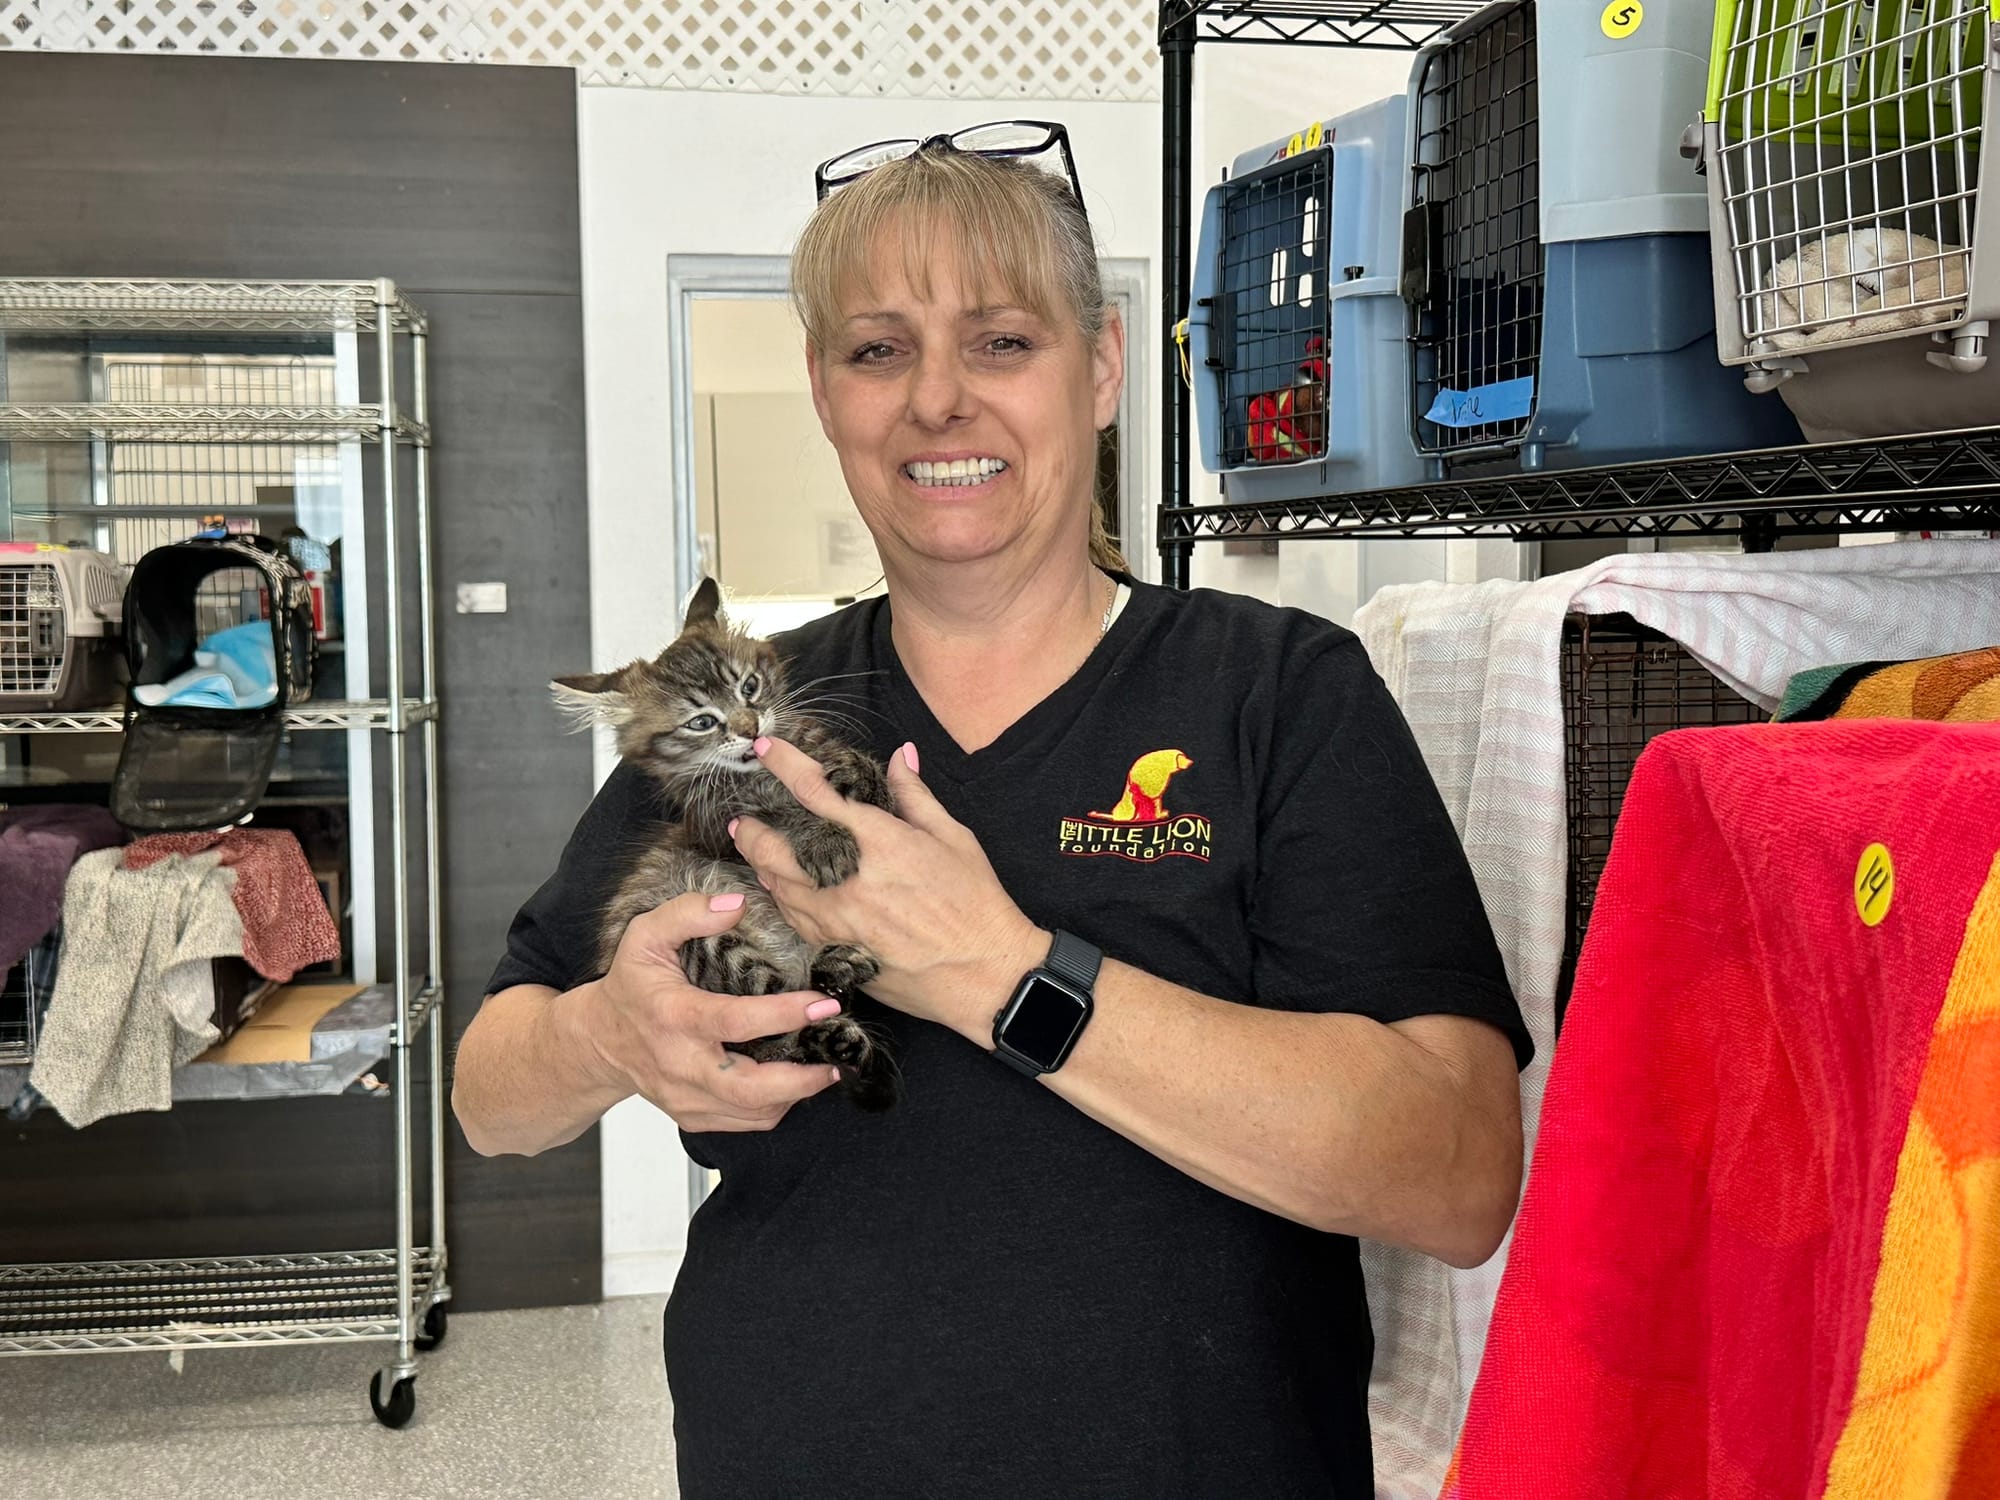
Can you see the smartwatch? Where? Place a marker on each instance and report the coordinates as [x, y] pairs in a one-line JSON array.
[[1035, 1031]]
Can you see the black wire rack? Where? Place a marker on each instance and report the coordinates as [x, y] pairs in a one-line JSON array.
[[1399, 25], [1472, 250], [1622, 685], [1937, 481], [1941, 481]]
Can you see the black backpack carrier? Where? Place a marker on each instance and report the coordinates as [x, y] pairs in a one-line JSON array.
[[186, 768]]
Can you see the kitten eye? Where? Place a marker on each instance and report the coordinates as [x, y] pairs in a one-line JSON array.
[[750, 686], [703, 723]]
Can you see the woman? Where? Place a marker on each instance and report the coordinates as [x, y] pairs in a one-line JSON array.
[[1274, 1018]]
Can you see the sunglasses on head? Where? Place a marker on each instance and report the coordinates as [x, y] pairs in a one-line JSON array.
[[1000, 140]]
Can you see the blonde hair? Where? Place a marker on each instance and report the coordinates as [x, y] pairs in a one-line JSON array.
[[1014, 226]]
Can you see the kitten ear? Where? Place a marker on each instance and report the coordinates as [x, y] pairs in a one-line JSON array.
[[592, 698], [704, 605]]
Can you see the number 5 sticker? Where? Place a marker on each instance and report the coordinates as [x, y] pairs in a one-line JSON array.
[[1621, 18]]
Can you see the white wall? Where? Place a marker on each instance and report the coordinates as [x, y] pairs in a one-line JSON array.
[[683, 173]]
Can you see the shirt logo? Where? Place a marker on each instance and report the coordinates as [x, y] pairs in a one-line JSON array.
[[1140, 826]]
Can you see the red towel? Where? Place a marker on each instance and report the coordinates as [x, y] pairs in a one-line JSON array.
[[1759, 1252], [285, 922]]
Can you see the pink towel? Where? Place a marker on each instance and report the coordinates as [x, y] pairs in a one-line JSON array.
[[285, 922]]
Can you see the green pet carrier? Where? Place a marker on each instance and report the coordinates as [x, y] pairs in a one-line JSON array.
[[1842, 140]]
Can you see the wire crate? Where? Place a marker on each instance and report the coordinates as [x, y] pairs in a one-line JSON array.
[[1296, 337], [24, 998], [1842, 141], [1622, 684], [1555, 251]]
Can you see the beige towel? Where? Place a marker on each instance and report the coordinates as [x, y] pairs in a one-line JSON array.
[[1860, 284], [135, 992]]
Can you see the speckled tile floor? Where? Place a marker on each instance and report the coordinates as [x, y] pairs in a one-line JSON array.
[[560, 1402]]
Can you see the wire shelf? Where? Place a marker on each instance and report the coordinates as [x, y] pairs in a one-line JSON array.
[[1394, 24], [1938, 481], [104, 303], [150, 422], [97, 1307], [370, 714]]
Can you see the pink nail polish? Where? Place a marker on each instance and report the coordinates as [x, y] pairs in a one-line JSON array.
[[910, 755], [761, 744], [732, 826], [729, 902], [819, 1010], [836, 1074]]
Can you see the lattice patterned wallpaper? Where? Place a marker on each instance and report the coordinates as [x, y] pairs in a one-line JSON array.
[[984, 49]]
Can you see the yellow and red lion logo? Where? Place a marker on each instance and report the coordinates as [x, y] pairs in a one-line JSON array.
[[1139, 825]]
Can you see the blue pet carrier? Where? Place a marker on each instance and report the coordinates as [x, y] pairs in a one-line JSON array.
[[1296, 335], [1555, 253]]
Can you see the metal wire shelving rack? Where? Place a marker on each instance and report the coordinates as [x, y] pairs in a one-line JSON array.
[[1937, 481], [395, 1294]]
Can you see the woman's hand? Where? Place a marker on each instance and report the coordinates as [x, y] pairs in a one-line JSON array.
[[925, 901], [661, 1037]]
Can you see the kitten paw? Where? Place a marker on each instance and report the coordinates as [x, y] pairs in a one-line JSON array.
[[842, 968], [827, 853], [868, 1074], [727, 965]]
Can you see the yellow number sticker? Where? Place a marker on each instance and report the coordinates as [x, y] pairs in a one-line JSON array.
[[1315, 136], [1621, 18], [1295, 145], [1874, 885]]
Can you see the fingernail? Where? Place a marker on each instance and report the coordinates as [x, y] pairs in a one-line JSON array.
[[760, 744], [732, 826], [727, 902], [910, 755], [836, 1074], [819, 1010]]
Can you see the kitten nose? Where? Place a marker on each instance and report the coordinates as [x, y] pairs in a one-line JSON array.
[[744, 724]]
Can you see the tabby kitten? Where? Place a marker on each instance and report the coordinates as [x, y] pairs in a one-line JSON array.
[[687, 718]]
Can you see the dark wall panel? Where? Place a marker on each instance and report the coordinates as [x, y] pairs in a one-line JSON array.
[[451, 178], [459, 183]]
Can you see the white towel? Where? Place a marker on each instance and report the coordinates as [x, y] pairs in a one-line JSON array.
[[135, 989], [1475, 668]]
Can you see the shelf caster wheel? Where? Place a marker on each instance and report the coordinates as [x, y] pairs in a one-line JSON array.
[[402, 1402], [437, 1323]]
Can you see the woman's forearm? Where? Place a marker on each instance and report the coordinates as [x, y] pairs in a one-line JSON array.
[[1407, 1133], [527, 1077]]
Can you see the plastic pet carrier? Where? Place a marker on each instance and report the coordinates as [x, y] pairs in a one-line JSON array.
[[1842, 142], [1555, 251], [1295, 338], [58, 628], [219, 642]]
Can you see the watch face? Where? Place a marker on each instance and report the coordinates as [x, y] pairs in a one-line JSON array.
[[1042, 1021]]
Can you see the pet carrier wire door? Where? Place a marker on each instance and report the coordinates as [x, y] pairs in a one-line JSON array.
[[1555, 253], [1842, 140], [1295, 338]]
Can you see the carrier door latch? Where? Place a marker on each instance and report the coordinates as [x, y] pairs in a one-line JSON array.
[[1423, 249]]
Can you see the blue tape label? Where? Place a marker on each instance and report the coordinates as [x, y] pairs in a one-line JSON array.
[[1502, 401]]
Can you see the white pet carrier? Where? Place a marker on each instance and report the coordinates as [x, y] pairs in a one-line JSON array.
[[1842, 144], [59, 610]]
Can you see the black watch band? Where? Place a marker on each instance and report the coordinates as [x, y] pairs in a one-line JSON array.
[[1036, 1030], [1072, 959]]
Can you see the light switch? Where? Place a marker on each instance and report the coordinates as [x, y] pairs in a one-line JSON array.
[[482, 598]]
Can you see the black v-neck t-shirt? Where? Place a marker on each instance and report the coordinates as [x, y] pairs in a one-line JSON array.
[[983, 1294]]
